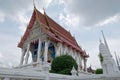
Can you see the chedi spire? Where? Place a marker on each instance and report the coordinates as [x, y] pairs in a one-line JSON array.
[[108, 63]]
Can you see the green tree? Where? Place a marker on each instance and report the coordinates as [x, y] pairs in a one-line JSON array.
[[63, 64]]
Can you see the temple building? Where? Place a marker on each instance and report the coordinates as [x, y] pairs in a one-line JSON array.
[[44, 39]]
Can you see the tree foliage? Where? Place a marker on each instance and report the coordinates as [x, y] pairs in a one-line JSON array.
[[101, 57], [99, 71], [63, 64]]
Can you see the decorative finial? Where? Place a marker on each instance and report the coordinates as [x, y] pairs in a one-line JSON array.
[[100, 40], [102, 31], [44, 5], [44, 11], [34, 4]]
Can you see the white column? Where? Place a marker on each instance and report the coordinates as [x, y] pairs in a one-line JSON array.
[[46, 51], [58, 49], [73, 54], [39, 50], [65, 50], [76, 57], [80, 66], [27, 53], [61, 49], [70, 51], [80, 61], [85, 64], [22, 56]]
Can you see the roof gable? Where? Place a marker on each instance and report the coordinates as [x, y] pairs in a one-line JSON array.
[[27, 32]]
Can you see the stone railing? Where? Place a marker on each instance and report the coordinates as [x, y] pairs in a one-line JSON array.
[[26, 73], [34, 66], [30, 65]]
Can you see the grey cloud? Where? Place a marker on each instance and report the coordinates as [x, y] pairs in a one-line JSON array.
[[13, 6], [9, 52], [93, 11]]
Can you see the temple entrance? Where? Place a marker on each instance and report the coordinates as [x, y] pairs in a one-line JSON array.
[[34, 55], [51, 52]]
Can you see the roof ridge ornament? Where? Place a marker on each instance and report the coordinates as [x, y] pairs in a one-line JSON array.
[[100, 40], [44, 5], [34, 4]]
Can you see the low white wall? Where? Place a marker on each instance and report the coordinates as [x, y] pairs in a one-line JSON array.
[[20, 74]]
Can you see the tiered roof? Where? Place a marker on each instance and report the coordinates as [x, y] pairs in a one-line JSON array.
[[53, 30]]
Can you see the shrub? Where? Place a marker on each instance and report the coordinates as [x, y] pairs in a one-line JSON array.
[[66, 72], [51, 71], [101, 57], [63, 64], [99, 71]]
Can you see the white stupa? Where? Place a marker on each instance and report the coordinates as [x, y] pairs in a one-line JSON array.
[[108, 63]]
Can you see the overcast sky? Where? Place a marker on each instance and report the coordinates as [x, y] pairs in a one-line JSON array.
[[83, 18]]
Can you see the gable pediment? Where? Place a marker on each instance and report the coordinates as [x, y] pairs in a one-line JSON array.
[[35, 32]]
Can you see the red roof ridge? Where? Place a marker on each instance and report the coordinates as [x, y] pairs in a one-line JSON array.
[[60, 27]]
